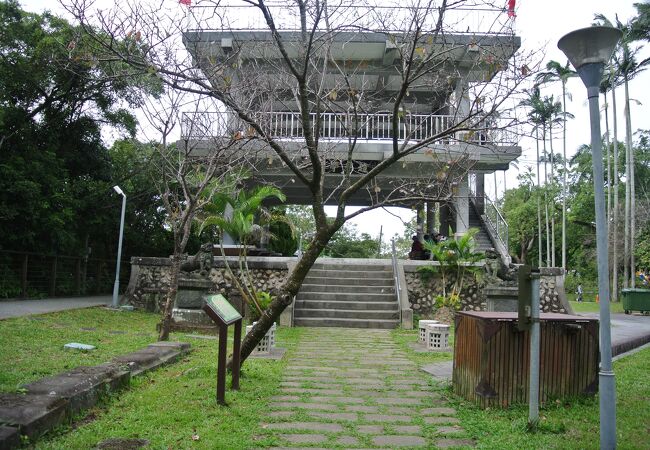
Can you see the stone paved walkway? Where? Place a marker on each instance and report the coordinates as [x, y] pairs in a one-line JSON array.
[[353, 388]]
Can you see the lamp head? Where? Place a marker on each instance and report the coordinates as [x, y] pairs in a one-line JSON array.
[[117, 189], [589, 49]]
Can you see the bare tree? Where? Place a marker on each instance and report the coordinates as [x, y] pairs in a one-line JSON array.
[[316, 80], [187, 177]]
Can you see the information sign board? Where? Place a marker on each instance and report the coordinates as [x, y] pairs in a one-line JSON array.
[[217, 305]]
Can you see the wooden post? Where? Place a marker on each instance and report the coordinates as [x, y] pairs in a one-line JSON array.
[[221, 364], [23, 279], [236, 350], [53, 278]]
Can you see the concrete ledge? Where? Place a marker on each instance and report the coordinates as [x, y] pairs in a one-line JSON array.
[[153, 356], [84, 386], [9, 438], [33, 415], [54, 400], [629, 344]]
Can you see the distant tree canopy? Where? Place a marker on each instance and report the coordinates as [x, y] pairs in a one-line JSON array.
[[520, 210], [56, 172]]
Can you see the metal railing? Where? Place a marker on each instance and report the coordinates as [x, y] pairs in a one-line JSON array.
[[37, 275], [389, 16], [495, 219], [339, 126], [398, 286], [492, 215]]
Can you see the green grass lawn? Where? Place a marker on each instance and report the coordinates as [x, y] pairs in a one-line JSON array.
[[572, 424], [32, 347], [579, 307], [175, 407]]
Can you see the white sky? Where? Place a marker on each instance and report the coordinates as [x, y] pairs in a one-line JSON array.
[[540, 24]]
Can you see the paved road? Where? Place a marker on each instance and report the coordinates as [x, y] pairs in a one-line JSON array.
[[628, 330], [17, 308]]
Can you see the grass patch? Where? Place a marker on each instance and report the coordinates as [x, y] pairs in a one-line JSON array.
[[175, 406], [568, 424], [405, 339], [32, 346], [593, 307]]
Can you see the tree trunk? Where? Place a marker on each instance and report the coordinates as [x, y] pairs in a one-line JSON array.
[[539, 206], [626, 256], [614, 293], [285, 296], [630, 150], [550, 133], [166, 320], [548, 230]]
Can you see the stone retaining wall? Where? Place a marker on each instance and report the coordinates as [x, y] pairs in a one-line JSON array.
[[150, 278], [421, 294]]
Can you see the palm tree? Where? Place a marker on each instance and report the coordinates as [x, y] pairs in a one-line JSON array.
[[548, 111], [557, 72], [235, 215], [608, 84], [534, 103], [624, 61]]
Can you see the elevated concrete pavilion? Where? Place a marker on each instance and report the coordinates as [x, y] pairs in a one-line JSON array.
[[369, 62]]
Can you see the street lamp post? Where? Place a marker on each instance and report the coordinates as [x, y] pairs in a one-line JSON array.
[[588, 50], [116, 286]]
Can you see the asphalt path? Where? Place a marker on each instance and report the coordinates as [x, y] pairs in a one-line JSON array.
[[18, 308]]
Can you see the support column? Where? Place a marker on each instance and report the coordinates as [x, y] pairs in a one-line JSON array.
[[228, 239], [461, 203], [431, 218], [480, 193], [420, 221], [445, 218]]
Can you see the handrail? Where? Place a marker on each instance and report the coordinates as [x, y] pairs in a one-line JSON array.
[[480, 18], [398, 287], [492, 216], [343, 126], [495, 219]]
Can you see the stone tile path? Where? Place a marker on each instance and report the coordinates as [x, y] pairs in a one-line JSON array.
[[355, 388]]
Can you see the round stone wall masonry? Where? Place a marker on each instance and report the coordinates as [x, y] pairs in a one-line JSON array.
[[356, 388]]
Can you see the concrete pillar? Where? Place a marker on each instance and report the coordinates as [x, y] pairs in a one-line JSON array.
[[420, 220], [462, 101], [480, 193], [461, 205], [445, 218], [431, 226], [228, 239]]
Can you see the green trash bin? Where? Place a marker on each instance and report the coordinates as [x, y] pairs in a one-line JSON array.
[[636, 300]]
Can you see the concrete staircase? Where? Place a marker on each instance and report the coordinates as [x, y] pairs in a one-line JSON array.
[[340, 293], [482, 239]]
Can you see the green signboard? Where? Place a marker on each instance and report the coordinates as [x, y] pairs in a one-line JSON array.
[[219, 307]]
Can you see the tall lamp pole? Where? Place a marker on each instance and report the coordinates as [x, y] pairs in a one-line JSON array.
[[116, 286], [589, 49]]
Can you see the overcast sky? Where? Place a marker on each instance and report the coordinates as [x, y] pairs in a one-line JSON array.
[[540, 24]]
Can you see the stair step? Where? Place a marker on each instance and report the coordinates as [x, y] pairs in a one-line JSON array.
[[326, 273], [345, 296], [346, 314], [345, 288], [358, 267], [346, 323], [349, 281], [346, 305]]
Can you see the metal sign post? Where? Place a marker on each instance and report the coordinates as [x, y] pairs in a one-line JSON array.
[[223, 314], [529, 320]]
